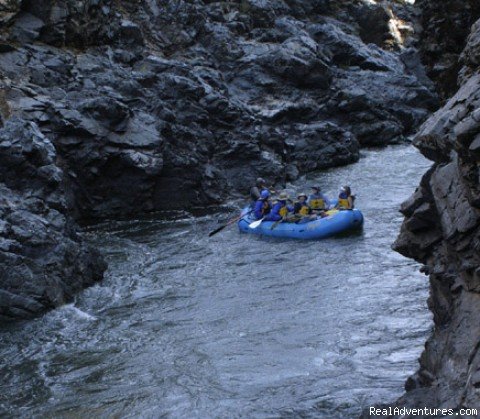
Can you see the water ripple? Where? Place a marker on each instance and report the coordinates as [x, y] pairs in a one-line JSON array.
[[184, 326]]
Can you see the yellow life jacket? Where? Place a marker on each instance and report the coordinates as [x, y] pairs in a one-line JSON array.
[[283, 211], [317, 204], [343, 203], [304, 210]]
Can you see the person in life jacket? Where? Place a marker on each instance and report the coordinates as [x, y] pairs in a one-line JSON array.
[[256, 190], [280, 209], [345, 199], [262, 205], [303, 212], [301, 207], [317, 201]]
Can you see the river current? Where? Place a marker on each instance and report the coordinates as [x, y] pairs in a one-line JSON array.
[[233, 326]]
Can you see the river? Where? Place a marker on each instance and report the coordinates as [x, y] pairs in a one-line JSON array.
[[233, 326]]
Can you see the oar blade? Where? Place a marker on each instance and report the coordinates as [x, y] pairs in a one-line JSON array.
[[255, 224]]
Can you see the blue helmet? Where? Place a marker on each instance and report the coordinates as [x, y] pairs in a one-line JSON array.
[[264, 194]]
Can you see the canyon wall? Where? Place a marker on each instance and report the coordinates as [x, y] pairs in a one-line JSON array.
[[170, 105], [442, 218]]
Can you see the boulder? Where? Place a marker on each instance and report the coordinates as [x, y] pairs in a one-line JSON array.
[[299, 61]]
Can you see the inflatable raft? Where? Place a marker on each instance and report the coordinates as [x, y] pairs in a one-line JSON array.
[[334, 223]]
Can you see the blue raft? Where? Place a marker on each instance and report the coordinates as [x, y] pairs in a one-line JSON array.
[[335, 223]]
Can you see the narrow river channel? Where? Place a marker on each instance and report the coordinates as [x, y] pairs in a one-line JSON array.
[[234, 326]]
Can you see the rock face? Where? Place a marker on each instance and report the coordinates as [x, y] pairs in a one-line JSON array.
[[157, 105], [442, 231], [446, 25], [42, 260]]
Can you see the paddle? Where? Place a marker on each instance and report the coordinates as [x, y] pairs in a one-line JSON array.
[[255, 224], [276, 223], [227, 224]]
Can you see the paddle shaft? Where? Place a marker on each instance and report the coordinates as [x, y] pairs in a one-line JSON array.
[[276, 223], [227, 224]]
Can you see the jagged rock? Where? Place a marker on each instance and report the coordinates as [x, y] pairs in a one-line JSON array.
[[422, 218], [375, 113], [446, 26], [26, 28], [442, 231], [470, 56], [8, 11], [177, 98], [474, 147], [321, 145], [299, 61], [373, 20], [43, 262]]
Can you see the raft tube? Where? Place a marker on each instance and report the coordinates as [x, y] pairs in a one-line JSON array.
[[335, 223]]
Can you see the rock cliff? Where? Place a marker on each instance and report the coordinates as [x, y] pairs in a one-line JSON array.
[[156, 105], [442, 231], [445, 26], [42, 260]]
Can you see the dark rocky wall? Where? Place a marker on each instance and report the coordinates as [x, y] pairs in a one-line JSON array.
[[43, 262], [184, 101], [442, 231], [446, 25]]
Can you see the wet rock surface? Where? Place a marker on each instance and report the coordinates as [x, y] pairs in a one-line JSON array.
[[442, 231], [170, 105], [42, 260]]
